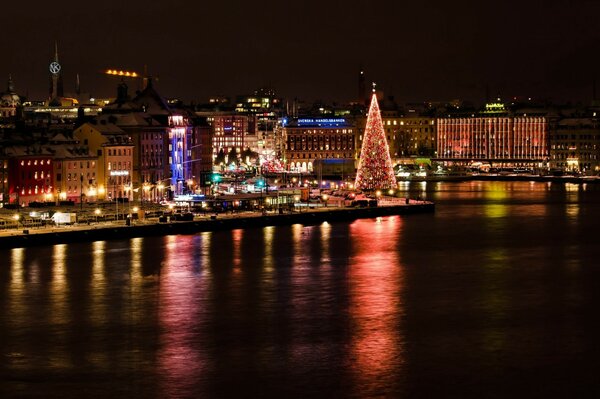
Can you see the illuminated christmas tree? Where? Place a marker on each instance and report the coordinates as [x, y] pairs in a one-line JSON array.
[[375, 169]]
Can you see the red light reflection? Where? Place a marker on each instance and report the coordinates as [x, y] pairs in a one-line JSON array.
[[375, 285], [182, 365]]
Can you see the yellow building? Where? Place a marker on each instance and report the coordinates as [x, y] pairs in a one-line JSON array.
[[407, 136], [114, 150]]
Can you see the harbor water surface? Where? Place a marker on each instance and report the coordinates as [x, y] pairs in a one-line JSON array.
[[494, 295]]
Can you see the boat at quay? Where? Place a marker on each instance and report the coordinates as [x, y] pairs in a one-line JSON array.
[[13, 238]]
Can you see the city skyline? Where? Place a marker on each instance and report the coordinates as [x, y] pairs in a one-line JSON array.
[[312, 51]]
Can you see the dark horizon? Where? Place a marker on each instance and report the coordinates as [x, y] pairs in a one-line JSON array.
[[311, 51]]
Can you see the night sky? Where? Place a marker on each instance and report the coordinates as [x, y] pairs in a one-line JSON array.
[[416, 51]]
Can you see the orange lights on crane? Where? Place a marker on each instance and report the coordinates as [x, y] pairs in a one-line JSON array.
[[127, 74]]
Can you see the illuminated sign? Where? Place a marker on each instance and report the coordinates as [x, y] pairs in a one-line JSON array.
[[122, 73], [119, 173], [54, 68], [321, 121]]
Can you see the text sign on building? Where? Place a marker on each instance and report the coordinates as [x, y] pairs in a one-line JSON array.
[[119, 173], [321, 121]]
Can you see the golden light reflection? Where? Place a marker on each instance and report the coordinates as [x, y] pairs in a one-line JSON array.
[[496, 192], [495, 299], [59, 301], [375, 284], [572, 210], [59, 278], [136, 246], [98, 283], [268, 233], [17, 284], [496, 210], [16, 275], [298, 231], [98, 253]]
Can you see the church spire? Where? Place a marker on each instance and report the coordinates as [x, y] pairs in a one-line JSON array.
[[10, 86], [56, 83]]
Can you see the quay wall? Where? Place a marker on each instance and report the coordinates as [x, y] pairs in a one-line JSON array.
[[115, 232]]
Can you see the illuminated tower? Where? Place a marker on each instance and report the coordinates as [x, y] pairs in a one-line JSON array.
[[375, 169], [56, 83]]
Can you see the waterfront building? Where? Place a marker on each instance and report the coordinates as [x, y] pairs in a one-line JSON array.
[[163, 137], [28, 174], [201, 154], [496, 135], [575, 145], [114, 149], [148, 135], [264, 110], [230, 131], [309, 139], [74, 171]]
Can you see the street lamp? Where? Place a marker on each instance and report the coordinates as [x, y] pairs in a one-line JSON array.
[[146, 188], [161, 187], [325, 197], [97, 213], [81, 192]]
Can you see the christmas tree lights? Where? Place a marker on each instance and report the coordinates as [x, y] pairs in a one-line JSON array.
[[375, 169]]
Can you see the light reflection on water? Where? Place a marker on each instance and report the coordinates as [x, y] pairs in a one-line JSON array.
[[375, 285], [498, 283]]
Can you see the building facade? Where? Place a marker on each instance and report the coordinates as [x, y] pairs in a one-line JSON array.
[[575, 145], [518, 140], [407, 136], [309, 139], [29, 176]]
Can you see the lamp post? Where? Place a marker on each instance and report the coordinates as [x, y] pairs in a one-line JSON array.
[[160, 187], [81, 192], [145, 189]]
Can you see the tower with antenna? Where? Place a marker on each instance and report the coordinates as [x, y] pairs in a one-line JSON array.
[[56, 82]]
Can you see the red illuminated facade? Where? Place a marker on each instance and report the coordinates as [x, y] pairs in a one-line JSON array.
[[30, 177], [507, 138]]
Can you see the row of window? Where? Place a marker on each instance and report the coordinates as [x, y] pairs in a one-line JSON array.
[[119, 152], [73, 165], [320, 155], [35, 162], [326, 147], [119, 165], [76, 176], [29, 190]]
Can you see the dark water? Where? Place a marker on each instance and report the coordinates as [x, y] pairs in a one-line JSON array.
[[495, 295]]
